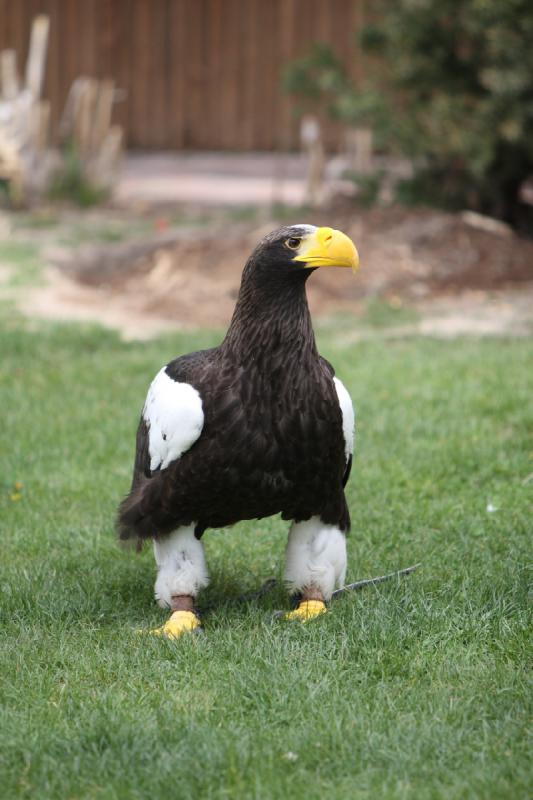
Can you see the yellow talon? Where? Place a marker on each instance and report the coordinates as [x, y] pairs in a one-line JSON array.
[[308, 609], [179, 623]]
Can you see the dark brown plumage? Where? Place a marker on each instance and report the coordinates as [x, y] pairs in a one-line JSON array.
[[272, 439]]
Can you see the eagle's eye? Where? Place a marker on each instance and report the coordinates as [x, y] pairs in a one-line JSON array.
[[293, 243]]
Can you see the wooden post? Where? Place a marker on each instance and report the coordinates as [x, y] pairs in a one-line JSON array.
[[42, 125], [84, 116], [25, 158], [37, 55], [311, 138], [8, 74], [103, 111], [359, 149]]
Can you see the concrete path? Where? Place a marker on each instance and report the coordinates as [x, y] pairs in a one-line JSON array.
[[211, 179]]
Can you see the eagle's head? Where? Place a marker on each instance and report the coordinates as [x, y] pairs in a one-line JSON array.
[[294, 251]]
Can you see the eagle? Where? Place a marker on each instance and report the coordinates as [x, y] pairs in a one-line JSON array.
[[259, 425]]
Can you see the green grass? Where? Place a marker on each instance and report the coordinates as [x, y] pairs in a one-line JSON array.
[[379, 313], [23, 262], [414, 689]]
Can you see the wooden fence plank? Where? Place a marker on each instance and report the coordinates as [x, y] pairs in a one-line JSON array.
[[196, 73]]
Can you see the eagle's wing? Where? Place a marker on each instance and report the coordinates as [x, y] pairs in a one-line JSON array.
[[172, 418], [171, 423], [348, 418], [348, 425]]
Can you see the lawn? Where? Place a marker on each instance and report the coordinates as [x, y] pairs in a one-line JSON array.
[[414, 689]]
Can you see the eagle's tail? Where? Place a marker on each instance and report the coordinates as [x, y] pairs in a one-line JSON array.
[[140, 515]]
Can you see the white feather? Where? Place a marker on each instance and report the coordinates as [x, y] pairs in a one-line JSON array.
[[305, 226], [181, 567], [174, 416], [315, 556], [348, 417]]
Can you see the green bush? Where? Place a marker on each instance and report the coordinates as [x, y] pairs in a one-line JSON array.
[[322, 86], [71, 184], [459, 78], [452, 88]]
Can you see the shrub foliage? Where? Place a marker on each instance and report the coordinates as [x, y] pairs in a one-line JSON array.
[[451, 87]]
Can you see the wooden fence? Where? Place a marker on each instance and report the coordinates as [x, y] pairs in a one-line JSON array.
[[198, 74]]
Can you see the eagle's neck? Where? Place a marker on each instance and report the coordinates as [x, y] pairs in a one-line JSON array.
[[271, 324]]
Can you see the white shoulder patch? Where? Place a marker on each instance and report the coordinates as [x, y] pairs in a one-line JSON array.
[[348, 417], [174, 416]]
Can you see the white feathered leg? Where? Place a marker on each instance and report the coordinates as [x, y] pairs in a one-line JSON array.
[[181, 567], [315, 561], [181, 573]]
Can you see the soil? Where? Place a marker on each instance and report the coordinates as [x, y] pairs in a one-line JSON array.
[[189, 276]]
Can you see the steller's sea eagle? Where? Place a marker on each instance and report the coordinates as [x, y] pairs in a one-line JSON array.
[[257, 426]]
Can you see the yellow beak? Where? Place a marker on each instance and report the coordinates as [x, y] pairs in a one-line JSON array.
[[327, 247]]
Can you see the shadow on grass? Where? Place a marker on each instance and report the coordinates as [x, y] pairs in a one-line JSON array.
[[86, 590]]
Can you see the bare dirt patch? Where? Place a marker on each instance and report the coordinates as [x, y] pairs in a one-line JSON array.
[[189, 277]]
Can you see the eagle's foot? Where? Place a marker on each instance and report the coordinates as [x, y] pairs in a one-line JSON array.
[[180, 622], [306, 610]]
